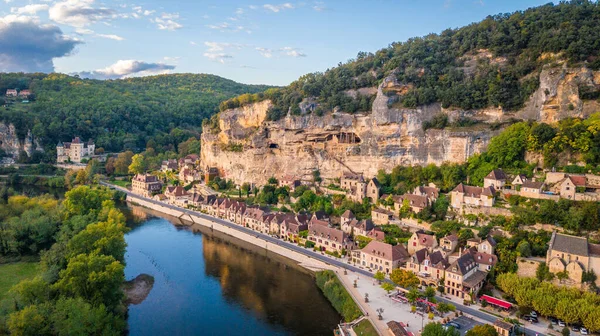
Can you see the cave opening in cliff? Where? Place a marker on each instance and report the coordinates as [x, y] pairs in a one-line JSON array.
[[348, 138], [274, 145]]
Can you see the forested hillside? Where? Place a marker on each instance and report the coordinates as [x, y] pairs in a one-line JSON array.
[[495, 62], [117, 114]]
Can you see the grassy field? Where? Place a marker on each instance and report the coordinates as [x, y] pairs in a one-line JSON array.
[[365, 328], [11, 274], [123, 184]]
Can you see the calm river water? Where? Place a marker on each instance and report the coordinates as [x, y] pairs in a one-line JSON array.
[[210, 284]]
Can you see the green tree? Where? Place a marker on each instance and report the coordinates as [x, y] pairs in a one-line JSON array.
[[412, 295], [482, 330], [379, 276], [77, 317], [388, 287], [403, 278], [430, 293], [138, 164], [95, 278], [524, 249], [30, 321], [122, 162], [436, 329]]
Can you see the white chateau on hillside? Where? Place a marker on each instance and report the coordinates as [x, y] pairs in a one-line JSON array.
[[74, 151]]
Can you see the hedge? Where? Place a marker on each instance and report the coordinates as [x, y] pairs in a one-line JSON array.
[[338, 296]]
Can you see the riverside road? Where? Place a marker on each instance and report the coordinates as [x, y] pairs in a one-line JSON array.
[[309, 253]]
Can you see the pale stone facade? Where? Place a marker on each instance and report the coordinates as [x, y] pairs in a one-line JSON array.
[[145, 185], [574, 255], [75, 151]]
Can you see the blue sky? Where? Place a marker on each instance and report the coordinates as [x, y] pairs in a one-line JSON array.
[[257, 42]]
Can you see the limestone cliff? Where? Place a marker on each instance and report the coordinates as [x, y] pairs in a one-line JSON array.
[[387, 137], [12, 145]]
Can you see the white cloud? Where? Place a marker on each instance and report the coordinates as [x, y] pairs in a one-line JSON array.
[[167, 21], [289, 51], [30, 9], [266, 52], [253, 7], [84, 31], [193, 43], [128, 68], [227, 27], [79, 13], [111, 37], [320, 6], [239, 11], [217, 57], [278, 8], [171, 59]]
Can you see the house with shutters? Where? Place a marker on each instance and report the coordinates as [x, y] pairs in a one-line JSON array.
[[495, 179], [463, 278], [469, 196], [428, 267], [146, 185], [380, 256], [420, 240], [327, 238], [572, 254], [416, 202]]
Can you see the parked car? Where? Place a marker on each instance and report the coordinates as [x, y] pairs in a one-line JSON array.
[[530, 318], [533, 313], [553, 320], [454, 324], [584, 331], [561, 323]]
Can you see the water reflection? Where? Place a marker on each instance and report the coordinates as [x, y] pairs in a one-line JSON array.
[[211, 284]]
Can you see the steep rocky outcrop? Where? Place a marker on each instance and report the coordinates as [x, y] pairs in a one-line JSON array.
[[387, 137], [12, 145]]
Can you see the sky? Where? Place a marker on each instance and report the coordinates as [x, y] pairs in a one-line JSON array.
[[254, 42]]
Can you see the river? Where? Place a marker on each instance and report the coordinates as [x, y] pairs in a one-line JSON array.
[[207, 283]]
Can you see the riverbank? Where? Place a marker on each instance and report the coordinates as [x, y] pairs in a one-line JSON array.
[[287, 250]]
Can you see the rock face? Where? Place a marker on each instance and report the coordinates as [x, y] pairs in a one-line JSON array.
[[558, 95], [12, 145], [387, 137], [137, 290]]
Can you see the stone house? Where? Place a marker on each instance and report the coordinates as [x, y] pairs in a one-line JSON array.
[[24, 93], [531, 189], [289, 181], [495, 179], [358, 227], [464, 195], [346, 217], [145, 185], [485, 261], [373, 188], [448, 244], [291, 229], [431, 192], [210, 173], [463, 278], [487, 245], [328, 239], [518, 181], [75, 151], [569, 185], [416, 202], [381, 256], [355, 186], [12, 93], [504, 328], [420, 240], [574, 255], [177, 195], [381, 216], [187, 175], [254, 218], [376, 234], [169, 165], [429, 267]]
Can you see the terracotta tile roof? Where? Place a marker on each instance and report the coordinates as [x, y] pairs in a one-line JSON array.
[[577, 180], [387, 251], [348, 214], [414, 200], [496, 174], [425, 239], [451, 237], [474, 191], [327, 233], [430, 192], [365, 224], [175, 191], [376, 234]]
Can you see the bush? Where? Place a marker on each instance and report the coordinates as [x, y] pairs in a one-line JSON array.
[[335, 292]]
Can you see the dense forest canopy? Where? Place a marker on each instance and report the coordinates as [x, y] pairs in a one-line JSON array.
[[117, 114], [494, 62]]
